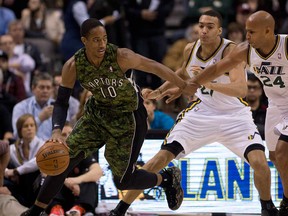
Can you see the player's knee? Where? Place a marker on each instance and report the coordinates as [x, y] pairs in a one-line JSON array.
[[281, 158], [121, 185]]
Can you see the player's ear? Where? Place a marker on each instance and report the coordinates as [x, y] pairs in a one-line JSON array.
[[84, 40], [220, 31]]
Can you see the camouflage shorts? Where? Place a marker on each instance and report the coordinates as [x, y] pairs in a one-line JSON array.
[[98, 127]]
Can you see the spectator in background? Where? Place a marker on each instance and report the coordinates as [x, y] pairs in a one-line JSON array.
[[254, 98], [42, 23], [23, 170], [147, 27], [73, 102], [235, 32], [16, 30], [74, 14], [16, 5], [242, 13], [79, 195], [12, 88], [6, 16], [9, 206], [157, 119], [20, 64], [33, 18], [174, 56], [109, 13], [40, 105]]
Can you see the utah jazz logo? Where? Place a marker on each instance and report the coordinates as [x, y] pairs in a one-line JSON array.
[[268, 68], [251, 137]]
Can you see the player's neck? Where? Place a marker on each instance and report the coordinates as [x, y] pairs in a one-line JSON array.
[[269, 46], [208, 49], [94, 60]]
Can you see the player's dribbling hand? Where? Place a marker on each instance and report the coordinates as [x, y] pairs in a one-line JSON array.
[[57, 137]]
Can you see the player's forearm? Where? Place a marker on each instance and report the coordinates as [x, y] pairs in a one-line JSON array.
[[207, 75], [230, 89]]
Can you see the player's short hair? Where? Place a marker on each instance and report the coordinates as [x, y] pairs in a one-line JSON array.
[[214, 13], [89, 24]]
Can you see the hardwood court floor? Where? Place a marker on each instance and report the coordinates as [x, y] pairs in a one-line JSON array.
[[199, 208]]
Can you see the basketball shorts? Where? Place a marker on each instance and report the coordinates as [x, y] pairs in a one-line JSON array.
[[276, 124], [198, 126]]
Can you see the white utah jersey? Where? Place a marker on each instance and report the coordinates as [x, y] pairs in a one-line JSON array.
[[272, 70], [214, 100]]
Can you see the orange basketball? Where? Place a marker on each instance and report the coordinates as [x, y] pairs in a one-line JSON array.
[[53, 158]]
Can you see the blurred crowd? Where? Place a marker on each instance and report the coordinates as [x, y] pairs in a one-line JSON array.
[[38, 36]]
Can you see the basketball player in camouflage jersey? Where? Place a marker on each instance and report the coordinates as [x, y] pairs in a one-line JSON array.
[[114, 116], [267, 56]]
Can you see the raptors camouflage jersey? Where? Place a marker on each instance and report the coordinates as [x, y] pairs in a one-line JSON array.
[[108, 83]]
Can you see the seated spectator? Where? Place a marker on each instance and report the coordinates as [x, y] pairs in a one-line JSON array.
[[20, 64], [255, 101], [12, 88], [156, 118], [8, 204], [7, 16], [174, 56], [23, 170], [42, 23], [16, 30], [79, 195], [40, 105], [235, 32]]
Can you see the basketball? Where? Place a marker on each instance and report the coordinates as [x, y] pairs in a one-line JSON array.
[[53, 158]]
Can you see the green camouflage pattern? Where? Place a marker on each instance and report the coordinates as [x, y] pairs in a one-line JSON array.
[[108, 83], [98, 127], [108, 117]]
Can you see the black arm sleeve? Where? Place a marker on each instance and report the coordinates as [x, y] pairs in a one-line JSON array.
[[60, 108]]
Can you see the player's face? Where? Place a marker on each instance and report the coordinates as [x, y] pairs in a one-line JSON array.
[[209, 29], [255, 34], [96, 42], [28, 129]]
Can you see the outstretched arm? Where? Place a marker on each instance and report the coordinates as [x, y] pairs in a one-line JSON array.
[[181, 72], [127, 59]]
